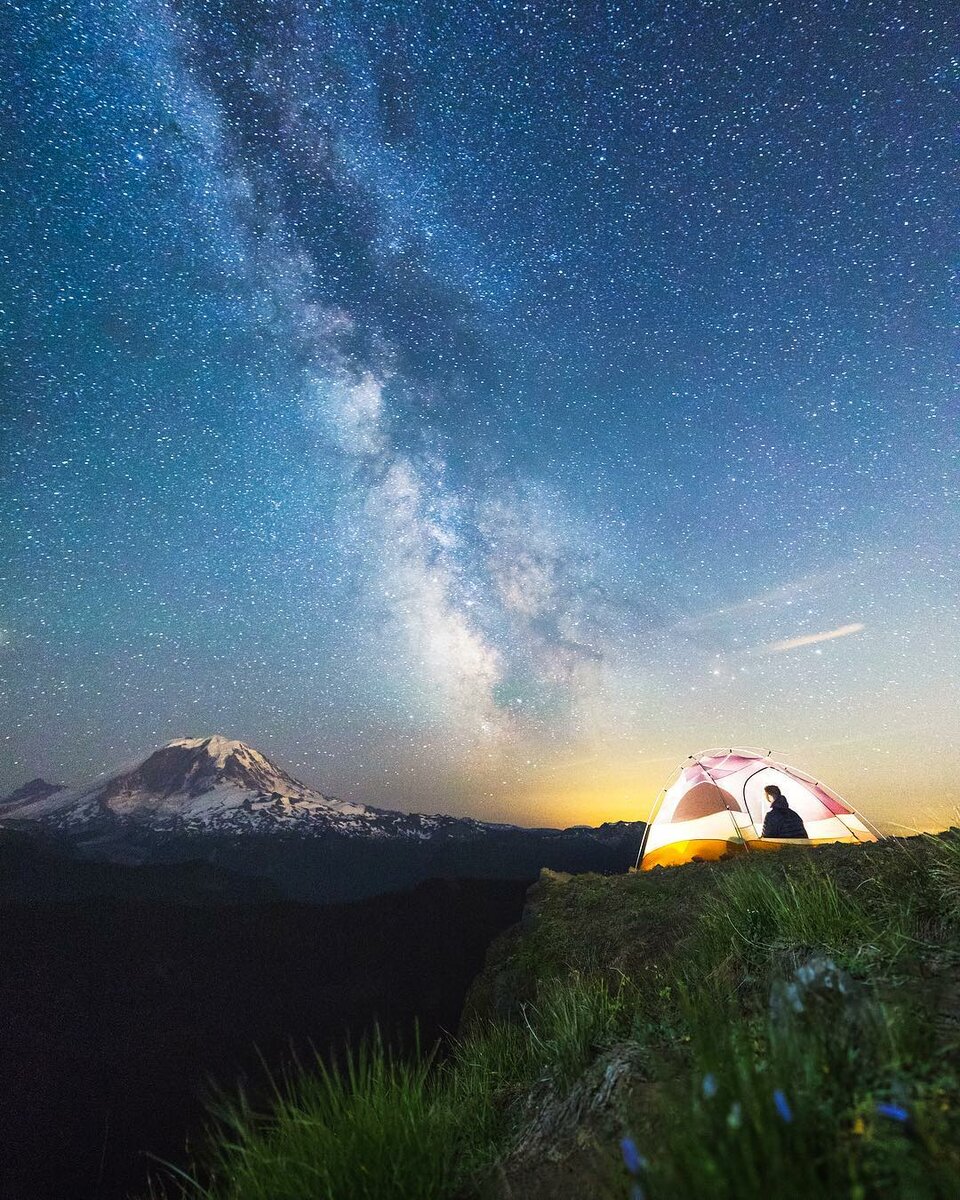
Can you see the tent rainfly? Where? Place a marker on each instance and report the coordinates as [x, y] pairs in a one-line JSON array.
[[714, 805]]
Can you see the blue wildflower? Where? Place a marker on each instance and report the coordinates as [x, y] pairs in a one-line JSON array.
[[633, 1160], [807, 973], [709, 1087], [782, 1106], [792, 996], [895, 1112]]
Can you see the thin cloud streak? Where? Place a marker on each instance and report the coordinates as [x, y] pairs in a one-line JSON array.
[[778, 597], [811, 639]]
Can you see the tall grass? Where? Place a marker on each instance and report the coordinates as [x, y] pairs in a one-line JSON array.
[[383, 1128], [573, 1021], [799, 1082], [763, 912], [819, 1099], [379, 1127], [486, 1076], [945, 868]]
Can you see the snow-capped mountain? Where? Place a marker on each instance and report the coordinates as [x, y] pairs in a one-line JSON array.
[[210, 785], [221, 802]]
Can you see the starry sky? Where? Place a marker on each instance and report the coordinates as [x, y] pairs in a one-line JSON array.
[[481, 406]]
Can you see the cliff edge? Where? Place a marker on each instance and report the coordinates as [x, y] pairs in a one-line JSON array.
[[787, 1025]]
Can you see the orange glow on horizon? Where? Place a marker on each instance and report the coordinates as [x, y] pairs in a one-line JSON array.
[[592, 793]]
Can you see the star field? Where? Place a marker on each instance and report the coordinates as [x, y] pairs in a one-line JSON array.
[[482, 406]]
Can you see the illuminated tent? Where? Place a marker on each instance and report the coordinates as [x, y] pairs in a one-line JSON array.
[[715, 805]]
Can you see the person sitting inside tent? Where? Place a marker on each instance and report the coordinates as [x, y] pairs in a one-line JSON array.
[[781, 821]]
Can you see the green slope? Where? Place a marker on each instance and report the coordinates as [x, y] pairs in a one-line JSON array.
[[784, 1026]]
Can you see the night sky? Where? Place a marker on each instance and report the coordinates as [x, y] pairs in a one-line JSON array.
[[482, 406]]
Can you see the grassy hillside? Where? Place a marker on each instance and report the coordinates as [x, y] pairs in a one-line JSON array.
[[780, 1026]]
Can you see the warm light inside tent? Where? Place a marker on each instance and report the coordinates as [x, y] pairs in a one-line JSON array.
[[716, 805]]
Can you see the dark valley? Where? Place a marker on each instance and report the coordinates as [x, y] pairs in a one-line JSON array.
[[171, 933]]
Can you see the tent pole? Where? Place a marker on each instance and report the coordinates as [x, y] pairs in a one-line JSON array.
[[661, 795], [736, 827], [646, 828], [852, 812], [746, 803]]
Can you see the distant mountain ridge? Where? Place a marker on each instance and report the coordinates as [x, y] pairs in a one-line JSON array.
[[205, 785], [27, 793], [222, 801]]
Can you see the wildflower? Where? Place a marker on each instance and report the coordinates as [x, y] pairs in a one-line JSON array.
[[735, 1116], [791, 994], [633, 1160], [709, 1086], [859, 1128], [895, 1112], [782, 1106]]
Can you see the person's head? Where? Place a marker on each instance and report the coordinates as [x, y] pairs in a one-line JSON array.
[[775, 797]]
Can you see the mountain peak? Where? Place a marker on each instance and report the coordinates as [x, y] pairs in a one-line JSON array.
[[34, 789], [200, 784], [190, 767], [217, 746]]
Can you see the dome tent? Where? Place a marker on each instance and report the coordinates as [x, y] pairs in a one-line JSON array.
[[714, 805]]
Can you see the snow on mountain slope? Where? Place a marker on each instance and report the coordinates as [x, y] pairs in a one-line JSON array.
[[211, 784]]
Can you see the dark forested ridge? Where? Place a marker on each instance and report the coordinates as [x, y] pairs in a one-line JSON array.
[[119, 1003]]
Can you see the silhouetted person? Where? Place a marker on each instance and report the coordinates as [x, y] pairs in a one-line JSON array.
[[781, 821]]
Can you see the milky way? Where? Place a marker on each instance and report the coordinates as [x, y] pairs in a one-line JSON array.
[[482, 406]]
